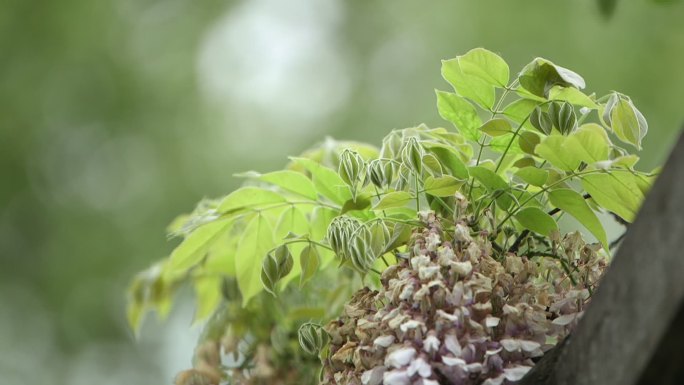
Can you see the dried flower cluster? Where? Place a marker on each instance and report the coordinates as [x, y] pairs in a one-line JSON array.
[[457, 312]]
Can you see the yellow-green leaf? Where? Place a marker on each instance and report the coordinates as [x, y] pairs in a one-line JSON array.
[[615, 191], [460, 113], [533, 175], [292, 181], [393, 199], [554, 149], [248, 197], [572, 95], [444, 186], [535, 219], [485, 65], [468, 86], [574, 204], [589, 143], [309, 260], [327, 182], [256, 242], [208, 296], [496, 127], [195, 247]]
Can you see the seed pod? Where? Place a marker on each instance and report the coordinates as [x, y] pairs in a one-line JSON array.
[[379, 236], [360, 255], [412, 155], [376, 173], [340, 232], [391, 146], [563, 117], [541, 120], [275, 266], [312, 338], [351, 167]]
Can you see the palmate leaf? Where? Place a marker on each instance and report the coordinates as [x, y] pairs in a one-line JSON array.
[[460, 113], [327, 182], [248, 197], [256, 241], [195, 246], [291, 181]]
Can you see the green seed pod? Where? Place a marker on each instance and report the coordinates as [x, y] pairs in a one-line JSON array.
[[284, 259], [541, 120], [379, 236], [563, 117], [312, 338], [376, 173], [360, 254], [391, 146], [275, 266], [412, 155], [351, 167], [269, 273], [340, 232]]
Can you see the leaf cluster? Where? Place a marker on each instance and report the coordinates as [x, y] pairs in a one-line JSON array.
[[525, 150]]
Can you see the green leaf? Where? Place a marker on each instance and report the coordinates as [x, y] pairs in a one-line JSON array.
[[628, 123], [541, 75], [292, 220], [528, 142], [450, 160], [553, 149], [492, 182], [533, 175], [589, 143], [255, 243], [615, 191], [453, 108], [248, 197], [468, 86], [572, 95], [519, 110], [535, 219], [501, 143], [309, 260], [361, 202], [207, 297], [496, 127], [393, 199], [328, 183], [444, 186], [485, 65], [574, 204], [320, 220], [292, 181], [195, 246]]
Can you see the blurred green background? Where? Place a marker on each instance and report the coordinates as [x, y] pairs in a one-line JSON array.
[[117, 115]]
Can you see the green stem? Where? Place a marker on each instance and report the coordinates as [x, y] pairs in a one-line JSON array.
[[515, 135]]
